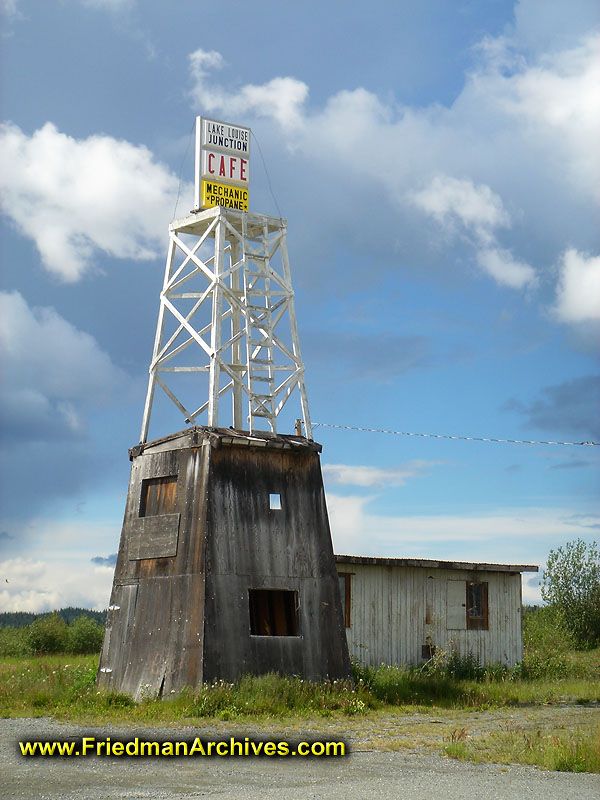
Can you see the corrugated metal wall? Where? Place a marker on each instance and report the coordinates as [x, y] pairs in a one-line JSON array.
[[394, 611]]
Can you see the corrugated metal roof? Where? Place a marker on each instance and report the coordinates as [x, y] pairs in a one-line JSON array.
[[432, 564]]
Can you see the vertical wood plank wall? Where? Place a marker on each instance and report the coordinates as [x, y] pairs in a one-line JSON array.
[[389, 610]]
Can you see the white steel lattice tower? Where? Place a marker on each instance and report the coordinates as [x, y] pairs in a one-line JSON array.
[[227, 322]]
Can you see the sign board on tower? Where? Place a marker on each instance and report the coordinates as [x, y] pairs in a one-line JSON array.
[[222, 164]]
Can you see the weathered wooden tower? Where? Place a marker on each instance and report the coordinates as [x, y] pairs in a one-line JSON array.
[[225, 564]]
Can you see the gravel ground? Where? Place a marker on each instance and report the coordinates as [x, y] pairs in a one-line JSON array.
[[367, 774]]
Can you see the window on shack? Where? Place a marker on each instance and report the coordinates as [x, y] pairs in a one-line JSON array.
[[273, 612], [158, 496], [345, 584], [477, 605]]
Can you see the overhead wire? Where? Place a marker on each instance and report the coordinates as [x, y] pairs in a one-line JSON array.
[[449, 436], [262, 158], [190, 136]]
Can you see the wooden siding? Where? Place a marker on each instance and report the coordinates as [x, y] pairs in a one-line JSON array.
[[396, 610], [179, 613]]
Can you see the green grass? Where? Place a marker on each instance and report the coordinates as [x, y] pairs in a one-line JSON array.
[[64, 687], [562, 751]]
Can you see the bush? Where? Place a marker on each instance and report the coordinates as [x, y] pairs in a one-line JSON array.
[[84, 635], [13, 642], [546, 643], [47, 635], [447, 662], [572, 586]]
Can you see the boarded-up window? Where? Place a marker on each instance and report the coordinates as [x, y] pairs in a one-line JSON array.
[[477, 606], [158, 496], [273, 612], [345, 578]]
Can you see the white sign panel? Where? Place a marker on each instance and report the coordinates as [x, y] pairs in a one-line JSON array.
[[226, 137], [222, 155], [225, 167]]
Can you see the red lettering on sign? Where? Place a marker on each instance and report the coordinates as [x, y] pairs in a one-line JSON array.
[[232, 163], [222, 167], [243, 163], [210, 167]]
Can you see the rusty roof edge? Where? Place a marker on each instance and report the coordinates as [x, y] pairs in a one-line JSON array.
[[229, 437], [435, 564]]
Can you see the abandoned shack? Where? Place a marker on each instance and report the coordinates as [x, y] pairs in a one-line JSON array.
[[399, 610]]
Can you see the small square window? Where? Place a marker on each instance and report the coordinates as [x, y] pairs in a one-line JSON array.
[[275, 502]]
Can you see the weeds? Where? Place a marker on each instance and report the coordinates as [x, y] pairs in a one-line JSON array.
[[563, 751]]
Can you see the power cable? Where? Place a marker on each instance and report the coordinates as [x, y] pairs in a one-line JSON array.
[[181, 168], [254, 136], [448, 436]]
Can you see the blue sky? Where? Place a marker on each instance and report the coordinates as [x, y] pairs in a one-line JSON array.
[[438, 167]]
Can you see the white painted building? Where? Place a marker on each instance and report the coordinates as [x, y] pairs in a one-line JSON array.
[[397, 610]]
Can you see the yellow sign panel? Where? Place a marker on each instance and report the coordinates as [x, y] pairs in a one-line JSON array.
[[220, 194]]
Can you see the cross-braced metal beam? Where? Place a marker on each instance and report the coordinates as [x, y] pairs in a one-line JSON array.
[[227, 315]]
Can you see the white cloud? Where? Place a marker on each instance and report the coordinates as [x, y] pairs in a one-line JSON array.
[[479, 211], [280, 98], [52, 372], [521, 133], [514, 536], [477, 208], [505, 270], [557, 102], [38, 585], [578, 289], [78, 198], [355, 475]]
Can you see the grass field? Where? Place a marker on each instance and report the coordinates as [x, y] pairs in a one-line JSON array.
[[389, 708]]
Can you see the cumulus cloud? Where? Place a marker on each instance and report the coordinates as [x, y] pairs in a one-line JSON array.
[[477, 168], [477, 208], [478, 211], [79, 198], [557, 99], [37, 585], [506, 270], [368, 476], [52, 372], [280, 98], [578, 290]]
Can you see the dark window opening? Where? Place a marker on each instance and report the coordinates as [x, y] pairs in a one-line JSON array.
[[158, 496], [344, 578], [273, 612], [427, 651], [477, 606]]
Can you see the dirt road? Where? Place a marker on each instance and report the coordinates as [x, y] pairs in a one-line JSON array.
[[411, 772]]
